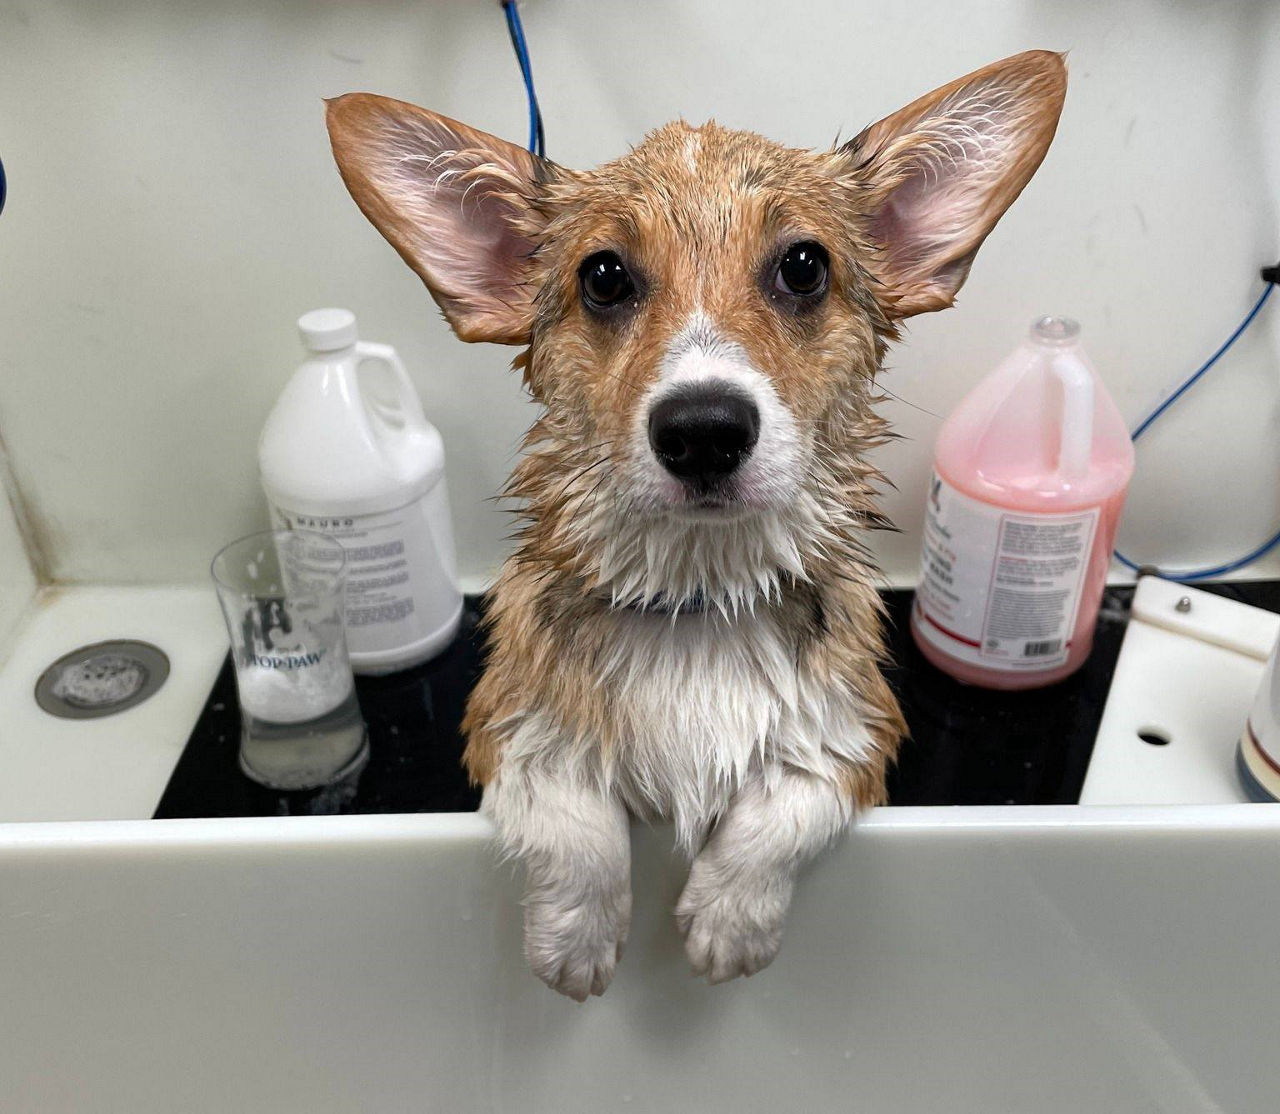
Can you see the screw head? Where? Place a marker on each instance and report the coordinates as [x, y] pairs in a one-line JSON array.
[[1183, 605]]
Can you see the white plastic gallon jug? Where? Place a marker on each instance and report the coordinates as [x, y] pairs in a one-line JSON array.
[[347, 451]]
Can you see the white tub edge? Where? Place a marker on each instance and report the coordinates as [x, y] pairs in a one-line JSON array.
[[453, 827]]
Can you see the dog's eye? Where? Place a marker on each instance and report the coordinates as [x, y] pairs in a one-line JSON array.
[[803, 270], [604, 280]]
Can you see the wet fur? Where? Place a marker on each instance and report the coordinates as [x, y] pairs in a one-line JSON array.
[[646, 658]]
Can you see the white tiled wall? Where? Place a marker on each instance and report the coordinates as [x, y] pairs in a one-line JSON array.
[[173, 208]]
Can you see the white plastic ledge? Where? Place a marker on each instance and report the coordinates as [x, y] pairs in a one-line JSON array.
[[430, 828], [1054, 959]]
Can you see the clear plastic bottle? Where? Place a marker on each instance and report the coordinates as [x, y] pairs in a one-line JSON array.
[[347, 452], [1030, 475]]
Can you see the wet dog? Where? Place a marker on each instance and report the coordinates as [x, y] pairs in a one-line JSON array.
[[689, 627]]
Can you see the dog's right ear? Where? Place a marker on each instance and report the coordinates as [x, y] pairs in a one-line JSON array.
[[459, 205], [935, 177]]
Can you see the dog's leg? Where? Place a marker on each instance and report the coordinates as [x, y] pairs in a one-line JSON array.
[[575, 843], [735, 902]]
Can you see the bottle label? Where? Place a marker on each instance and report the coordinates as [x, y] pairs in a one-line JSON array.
[[1001, 588], [400, 584]]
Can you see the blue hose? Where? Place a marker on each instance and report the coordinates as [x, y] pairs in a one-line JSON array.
[[1147, 422], [537, 138]]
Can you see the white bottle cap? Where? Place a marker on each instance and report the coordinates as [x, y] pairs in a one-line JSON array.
[[327, 330]]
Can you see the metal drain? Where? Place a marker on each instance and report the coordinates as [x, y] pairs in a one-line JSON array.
[[102, 679]]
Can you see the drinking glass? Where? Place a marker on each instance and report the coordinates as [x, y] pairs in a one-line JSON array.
[[281, 593]]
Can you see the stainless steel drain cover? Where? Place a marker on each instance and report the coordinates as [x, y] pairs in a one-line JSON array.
[[102, 679]]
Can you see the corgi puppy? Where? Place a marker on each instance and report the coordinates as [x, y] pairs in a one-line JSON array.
[[689, 627]]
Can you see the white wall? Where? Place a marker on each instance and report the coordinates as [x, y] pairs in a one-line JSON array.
[[17, 578], [173, 208]]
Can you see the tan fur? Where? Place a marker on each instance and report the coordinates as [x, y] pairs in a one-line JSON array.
[[651, 203], [700, 216], [902, 146]]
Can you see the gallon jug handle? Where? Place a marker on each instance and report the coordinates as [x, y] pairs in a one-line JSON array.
[[1077, 414], [388, 393]]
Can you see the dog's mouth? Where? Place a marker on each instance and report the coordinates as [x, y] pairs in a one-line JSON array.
[[722, 502], [718, 505], [679, 546], [723, 499]]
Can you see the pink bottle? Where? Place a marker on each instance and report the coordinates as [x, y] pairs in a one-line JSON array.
[[1030, 475]]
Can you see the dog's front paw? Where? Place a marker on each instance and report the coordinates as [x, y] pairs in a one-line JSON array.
[[573, 946], [731, 926]]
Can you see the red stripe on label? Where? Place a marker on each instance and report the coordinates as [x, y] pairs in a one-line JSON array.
[[949, 633], [1259, 749]]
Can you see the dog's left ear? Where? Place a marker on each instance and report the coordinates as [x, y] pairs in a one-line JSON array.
[[937, 175], [459, 205]]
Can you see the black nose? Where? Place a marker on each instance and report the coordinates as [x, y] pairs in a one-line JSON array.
[[702, 434]]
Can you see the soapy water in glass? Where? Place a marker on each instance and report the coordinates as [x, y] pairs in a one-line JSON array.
[[282, 597], [307, 754]]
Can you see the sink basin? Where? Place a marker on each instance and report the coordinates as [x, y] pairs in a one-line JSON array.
[[1048, 959], [974, 959]]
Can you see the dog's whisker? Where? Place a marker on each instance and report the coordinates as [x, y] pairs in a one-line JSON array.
[[907, 402]]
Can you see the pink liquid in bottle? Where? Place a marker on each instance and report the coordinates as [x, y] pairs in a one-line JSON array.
[[1030, 475]]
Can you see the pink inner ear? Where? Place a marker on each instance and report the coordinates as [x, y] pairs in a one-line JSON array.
[[944, 169], [917, 222], [959, 172], [468, 234], [493, 218], [455, 203], [939, 210], [894, 224]]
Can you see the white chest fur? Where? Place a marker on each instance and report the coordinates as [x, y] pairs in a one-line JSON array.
[[698, 705]]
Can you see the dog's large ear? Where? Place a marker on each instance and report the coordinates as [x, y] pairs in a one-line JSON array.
[[459, 205], [937, 175]]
